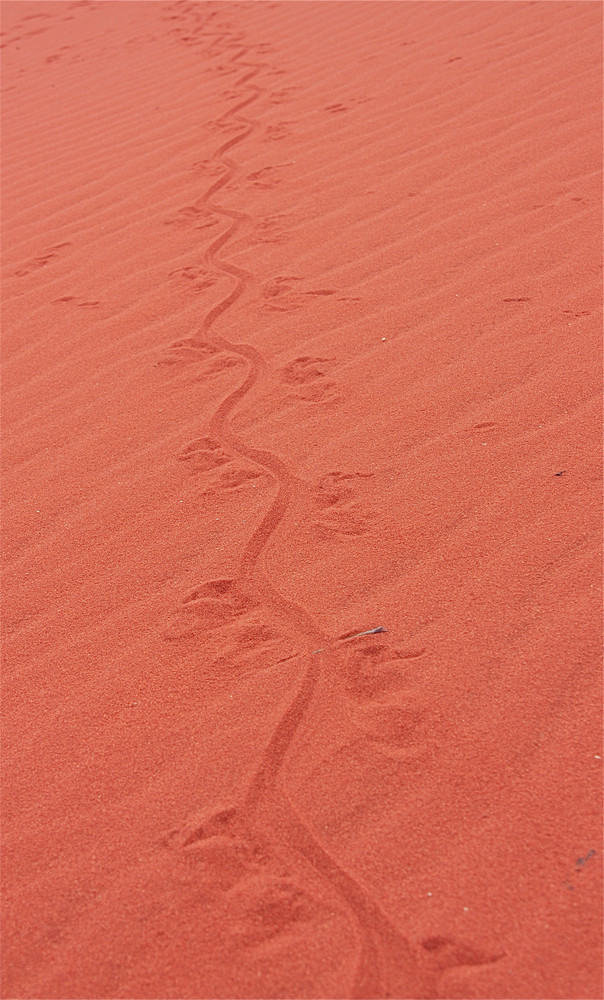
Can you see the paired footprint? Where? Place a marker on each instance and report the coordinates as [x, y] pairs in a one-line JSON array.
[[214, 604], [41, 260], [339, 504], [389, 712], [195, 278], [266, 178], [265, 901], [193, 217], [188, 350], [233, 629], [280, 130], [271, 229], [286, 293], [194, 351], [206, 454], [307, 379]]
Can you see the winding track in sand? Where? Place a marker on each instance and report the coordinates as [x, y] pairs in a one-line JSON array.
[[266, 799]]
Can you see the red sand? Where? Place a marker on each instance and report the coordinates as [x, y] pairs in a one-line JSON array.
[[301, 338]]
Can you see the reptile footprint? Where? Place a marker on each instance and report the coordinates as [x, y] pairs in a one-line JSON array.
[[271, 229], [280, 130], [217, 602], [197, 279], [392, 715], [209, 167], [449, 953], [192, 217], [204, 453], [402, 728], [214, 604], [280, 294], [187, 351], [200, 826], [370, 670], [341, 510], [236, 479], [266, 178], [307, 379], [219, 845], [220, 364], [268, 908], [41, 260]]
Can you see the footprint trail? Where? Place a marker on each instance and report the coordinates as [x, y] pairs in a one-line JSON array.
[[266, 816]]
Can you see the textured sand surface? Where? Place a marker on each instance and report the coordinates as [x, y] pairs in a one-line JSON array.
[[301, 338]]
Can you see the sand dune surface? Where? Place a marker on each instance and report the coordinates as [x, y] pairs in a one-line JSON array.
[[301, 340]]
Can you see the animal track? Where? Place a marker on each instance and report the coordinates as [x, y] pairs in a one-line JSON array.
[[209, 167], [284, 294], [204, 453], [271, 229], [303, 370], [245, 647], [391, 716], [215, 604], [200, 827], [238, 640], [193, 217], [397, 727], [219, 844], [270, 907], [221, 364], [218, 600], [196, 278], [339, 508], [188, 351], [307, 380], [41, 260], [278, 294], [80, 303], [226, 618], [266, 178], [370, 670], [283, 96], [449, 953], [225, 125], [280, 130], [263, 899], [225, 69], [236, 478]]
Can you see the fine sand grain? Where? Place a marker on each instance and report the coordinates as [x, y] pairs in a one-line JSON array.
[[301, 312]]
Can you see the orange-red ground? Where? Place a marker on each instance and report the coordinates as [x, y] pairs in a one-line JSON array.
[[301, 312]]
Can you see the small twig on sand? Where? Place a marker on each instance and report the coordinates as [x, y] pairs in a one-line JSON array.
[[370, 631], [355, 635]]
